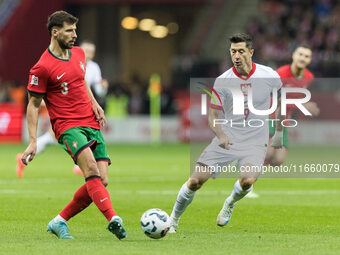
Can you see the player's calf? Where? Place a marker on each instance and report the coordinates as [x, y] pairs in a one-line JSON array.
[[186, 195]]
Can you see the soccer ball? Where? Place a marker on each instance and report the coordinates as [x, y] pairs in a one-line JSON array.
[[155, 223]]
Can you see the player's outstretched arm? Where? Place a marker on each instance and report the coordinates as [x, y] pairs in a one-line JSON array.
[[98, 111], [32, 124], [277, 139], [224, 141]]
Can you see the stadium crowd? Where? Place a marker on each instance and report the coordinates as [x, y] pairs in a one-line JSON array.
[[285, 24], [277, 27]]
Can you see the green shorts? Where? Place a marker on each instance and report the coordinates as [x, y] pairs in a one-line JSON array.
[[285, 133], [75, 140]]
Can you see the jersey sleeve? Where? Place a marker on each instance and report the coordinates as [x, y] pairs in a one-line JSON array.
[[217, 95], [37, 81]]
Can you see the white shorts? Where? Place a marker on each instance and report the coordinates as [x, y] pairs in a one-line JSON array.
[[214, 156]]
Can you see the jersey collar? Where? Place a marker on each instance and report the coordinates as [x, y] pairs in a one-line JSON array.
[[63, 59], [253, 68]]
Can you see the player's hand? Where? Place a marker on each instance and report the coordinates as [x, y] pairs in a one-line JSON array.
[[100, 116], [313, 108], [224, 142], [277, 139], [29, 153]]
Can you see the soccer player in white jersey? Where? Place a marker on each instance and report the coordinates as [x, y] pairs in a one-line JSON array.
[[97, 84], [245, 144], [93, 75]]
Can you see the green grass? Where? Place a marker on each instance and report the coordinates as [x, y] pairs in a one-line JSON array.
[[292, 216]]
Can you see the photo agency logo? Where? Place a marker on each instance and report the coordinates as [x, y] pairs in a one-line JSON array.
[[243, 104]]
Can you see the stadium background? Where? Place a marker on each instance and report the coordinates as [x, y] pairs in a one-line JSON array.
[[144, 174]]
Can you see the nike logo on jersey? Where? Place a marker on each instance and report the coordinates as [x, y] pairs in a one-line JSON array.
[[102, 200], [59, 77]]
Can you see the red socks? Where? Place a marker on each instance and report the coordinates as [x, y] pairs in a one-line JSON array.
[[80, 201], [100, 196], [92, 190]]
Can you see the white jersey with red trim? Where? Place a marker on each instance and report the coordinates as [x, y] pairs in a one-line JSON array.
[[245, 128]]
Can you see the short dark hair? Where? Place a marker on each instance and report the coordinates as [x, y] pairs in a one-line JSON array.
[[306, 46], [242, 37], [58, 18]]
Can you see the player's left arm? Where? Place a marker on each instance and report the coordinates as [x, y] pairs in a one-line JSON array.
[[98, 111], [277, 139]]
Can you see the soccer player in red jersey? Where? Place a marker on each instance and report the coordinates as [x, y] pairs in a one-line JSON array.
[[76, 118], [298, 76]]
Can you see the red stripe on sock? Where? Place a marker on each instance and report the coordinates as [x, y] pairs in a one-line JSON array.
[[101, 197]]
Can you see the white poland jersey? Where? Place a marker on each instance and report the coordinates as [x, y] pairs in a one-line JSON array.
[[242, 132], [93, 77]]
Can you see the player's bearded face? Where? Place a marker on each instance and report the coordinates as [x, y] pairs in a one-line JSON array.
[[240, 55], [67, 36]]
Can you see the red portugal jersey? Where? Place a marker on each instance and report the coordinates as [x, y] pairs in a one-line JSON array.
[[290, 81], [61, 82]]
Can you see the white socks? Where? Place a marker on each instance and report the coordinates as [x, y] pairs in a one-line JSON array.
[[237, 194], [59, 218], [184, 198], [44, 140], [114, 217]]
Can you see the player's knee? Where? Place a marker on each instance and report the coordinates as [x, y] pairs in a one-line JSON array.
[[92, 169], [195, 183], [246, 183], [105, 181]]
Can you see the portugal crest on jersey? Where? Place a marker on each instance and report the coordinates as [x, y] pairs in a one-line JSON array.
[[75, 145], [82, 66]]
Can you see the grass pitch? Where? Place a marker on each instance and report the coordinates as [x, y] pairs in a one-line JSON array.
[[292, 216]]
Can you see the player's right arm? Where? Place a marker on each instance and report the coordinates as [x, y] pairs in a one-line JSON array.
[[37, 84], [223, 140], [32, 124]]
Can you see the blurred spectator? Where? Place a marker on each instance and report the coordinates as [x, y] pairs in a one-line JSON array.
[[137, 98], [282, 25], [4, 92], [17, 94], [116, 102]]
